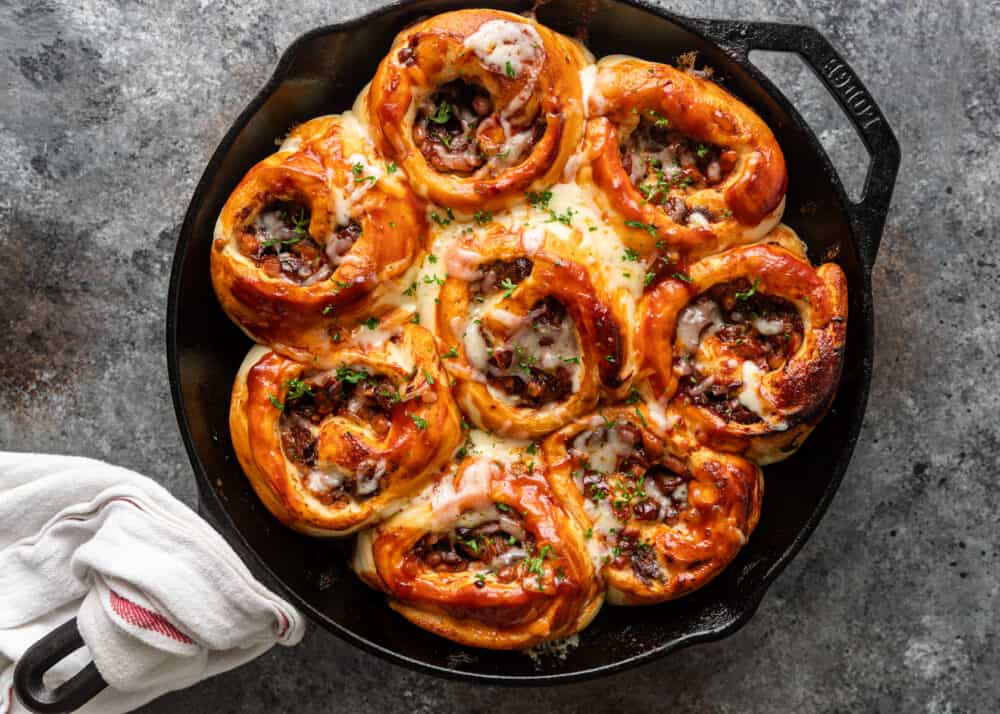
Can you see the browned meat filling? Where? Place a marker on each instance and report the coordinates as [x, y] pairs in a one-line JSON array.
[[626, 489], [279, 241], [497, 548], [446, 127], [501, 274], [369, 398], [518, 371], [763, 329], [665, 165]]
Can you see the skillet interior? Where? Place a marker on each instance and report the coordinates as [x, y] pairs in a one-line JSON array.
[[321, 73]]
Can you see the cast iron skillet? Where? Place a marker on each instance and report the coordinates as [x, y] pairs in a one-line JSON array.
[[321, 73]]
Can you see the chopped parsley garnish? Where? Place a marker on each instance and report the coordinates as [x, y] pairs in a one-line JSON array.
[[642, 419], [633, 396], [532, 448], [371, 323], [419, 421], [431, 258], [682, 277], [749, 292], [427, 375], [539, 199], [510, 70], [415, 318], [630, 255], [450, 354], [391, 167], [648, 227], [565, 218], [280, 241], [275, 403], [508, 287], [328, 309], [609, 423], [659, 120], [482, 217], [412, 290], [648, 278], [570, 360], [442, 115], [702, 151], [351, 376], [297, 389], [589, 533], [502, 507]]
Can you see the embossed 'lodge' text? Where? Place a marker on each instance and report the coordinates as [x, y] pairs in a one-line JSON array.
[[855, 98]]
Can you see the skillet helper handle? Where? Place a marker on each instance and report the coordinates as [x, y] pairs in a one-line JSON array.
[[40, 657], [867, 215]]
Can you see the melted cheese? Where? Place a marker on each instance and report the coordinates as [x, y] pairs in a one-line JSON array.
[[502, 43], [468, 502], [695, 322], [749, 396]]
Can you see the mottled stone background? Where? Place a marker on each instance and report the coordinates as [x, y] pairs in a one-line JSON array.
[[108, 114]]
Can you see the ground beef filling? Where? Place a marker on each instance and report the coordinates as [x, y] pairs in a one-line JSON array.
[[458, 131], [446, 128], [665, 166], [755, 327], [368, 398], [516, 368], [278, 240], [495, 549], [639, 489]]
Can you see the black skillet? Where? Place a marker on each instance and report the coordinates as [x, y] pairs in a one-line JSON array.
[[321, 73]]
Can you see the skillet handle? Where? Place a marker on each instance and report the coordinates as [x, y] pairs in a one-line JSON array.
[[867, 215], [40, 657]]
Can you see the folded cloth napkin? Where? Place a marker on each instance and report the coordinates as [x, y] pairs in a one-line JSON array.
[[161, 599]]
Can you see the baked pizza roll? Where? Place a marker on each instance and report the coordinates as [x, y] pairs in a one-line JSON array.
[[685, 163], [486, 557], [308, 232], [527, 334], [749, 346], [478, 106], [330, 446], [662, 517]]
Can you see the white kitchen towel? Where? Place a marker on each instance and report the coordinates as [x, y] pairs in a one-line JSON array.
[[161, 599]]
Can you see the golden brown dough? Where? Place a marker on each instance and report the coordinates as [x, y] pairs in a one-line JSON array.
[[479, 106], [749, 347], [331, 446], [663, 517], [486, 557], [683, 157], [534, 339], [309, 232]]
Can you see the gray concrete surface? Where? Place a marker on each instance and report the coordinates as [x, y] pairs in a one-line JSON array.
[[108, 114]]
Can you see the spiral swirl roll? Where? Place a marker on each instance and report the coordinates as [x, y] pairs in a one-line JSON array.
[[530, 338], [663, 517], [683, 161], [749, 346], [331, 446], [479, 106], [308, 233], [486, 557]]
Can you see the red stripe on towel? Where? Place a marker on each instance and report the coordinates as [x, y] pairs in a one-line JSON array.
[[147, 619]]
